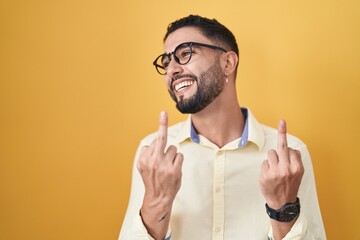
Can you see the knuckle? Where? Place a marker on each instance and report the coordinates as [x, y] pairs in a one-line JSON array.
[[271, 154], [298, 167], [161, 137], [296, 154], [301, 170], [140, 161], [174, 172], [271, 151], [284, 172], [153, 166], [138, 166], [263, 180], [285, 175], [172, 149], [274, 175], [179, 156]]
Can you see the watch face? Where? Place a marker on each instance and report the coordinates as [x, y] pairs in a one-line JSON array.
[[288, 213]]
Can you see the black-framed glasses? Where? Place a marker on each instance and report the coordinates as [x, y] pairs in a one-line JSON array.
[[182, 55]]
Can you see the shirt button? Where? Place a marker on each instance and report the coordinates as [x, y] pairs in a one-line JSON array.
[[217, 229], [218, 189]]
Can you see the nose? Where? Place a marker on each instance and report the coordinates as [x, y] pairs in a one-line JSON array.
[[173, 68]]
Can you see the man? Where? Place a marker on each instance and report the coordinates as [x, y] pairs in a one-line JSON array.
[[210, 176]]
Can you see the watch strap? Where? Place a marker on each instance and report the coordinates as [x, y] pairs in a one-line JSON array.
[[286, 213]]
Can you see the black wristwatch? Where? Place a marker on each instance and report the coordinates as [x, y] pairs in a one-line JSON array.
[[286, 213]]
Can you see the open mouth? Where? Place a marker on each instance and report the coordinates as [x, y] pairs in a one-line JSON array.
[[183, 85]]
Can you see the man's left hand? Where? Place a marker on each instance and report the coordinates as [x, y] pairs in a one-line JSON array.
[[281, 173]]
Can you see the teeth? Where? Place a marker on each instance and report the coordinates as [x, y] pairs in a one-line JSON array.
[[182, 85]]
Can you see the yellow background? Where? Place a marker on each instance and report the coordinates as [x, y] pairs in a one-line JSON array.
[[78, 92]]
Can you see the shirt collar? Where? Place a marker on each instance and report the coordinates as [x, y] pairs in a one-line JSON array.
[[252, 132]]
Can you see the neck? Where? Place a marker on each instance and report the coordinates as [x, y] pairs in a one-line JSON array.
[[221, 122]]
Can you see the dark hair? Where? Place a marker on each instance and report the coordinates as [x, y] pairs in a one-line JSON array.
[[211, 29]]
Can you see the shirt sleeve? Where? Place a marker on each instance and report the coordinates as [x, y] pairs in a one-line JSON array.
[[297, 232], [137, 231]]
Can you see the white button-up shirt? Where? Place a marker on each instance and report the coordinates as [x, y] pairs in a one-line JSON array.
[[220, 196]]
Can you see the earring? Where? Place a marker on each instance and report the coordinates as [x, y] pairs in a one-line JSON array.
[[227, 79]]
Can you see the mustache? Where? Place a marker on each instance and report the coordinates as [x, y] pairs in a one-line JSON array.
[[192, 76]]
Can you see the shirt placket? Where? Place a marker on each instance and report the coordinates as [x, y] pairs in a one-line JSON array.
[[218, 196]]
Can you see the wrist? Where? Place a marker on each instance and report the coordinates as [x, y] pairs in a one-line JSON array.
[[286, 213], [155, 209], [279, 203], [151, 201]]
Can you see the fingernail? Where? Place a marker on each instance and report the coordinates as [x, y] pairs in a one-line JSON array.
[[282, 123], [162, 115]]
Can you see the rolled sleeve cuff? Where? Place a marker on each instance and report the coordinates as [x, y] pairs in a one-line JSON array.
[[140, 232], [297, 232]]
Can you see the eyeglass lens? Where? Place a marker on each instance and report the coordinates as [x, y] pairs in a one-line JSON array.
[[181, 55]]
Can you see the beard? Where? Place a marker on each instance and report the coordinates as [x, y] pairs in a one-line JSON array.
[[209, 85]]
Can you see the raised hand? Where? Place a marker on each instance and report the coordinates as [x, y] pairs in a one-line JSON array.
[[160, 170], [281, 173]]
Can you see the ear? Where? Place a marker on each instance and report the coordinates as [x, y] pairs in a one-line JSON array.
[[230, 62]]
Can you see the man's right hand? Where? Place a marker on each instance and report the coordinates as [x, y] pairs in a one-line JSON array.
[[161, 174]]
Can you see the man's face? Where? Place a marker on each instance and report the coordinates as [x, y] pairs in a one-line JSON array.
[[195, 85]]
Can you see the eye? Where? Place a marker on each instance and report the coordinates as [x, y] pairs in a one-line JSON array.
[[165, 61], [183, 54], [165, 64]]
